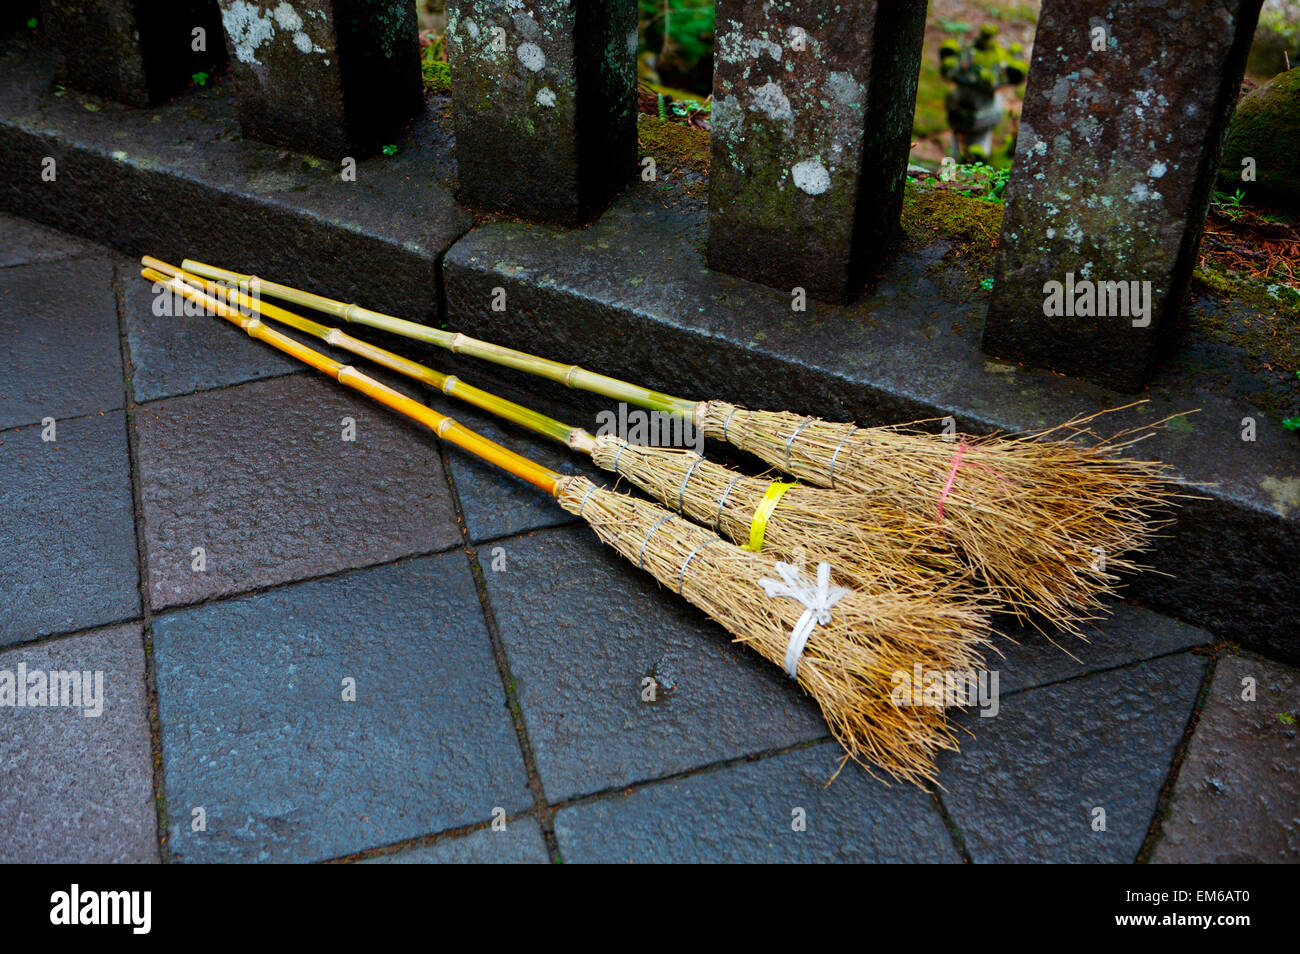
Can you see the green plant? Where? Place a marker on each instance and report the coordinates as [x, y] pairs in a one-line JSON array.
[[389, 150], [200, 79], [1229, 205], [31, 23]]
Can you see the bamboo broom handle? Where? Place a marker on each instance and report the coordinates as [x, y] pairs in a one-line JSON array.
[[570, 375], [441, 425], [448, 384]]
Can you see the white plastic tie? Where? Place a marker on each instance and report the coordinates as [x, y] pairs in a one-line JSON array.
[[818, 597]]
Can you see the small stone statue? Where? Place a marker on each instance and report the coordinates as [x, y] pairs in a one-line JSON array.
[[975, 108]]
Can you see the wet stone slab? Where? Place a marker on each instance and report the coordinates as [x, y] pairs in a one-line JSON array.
[[61, 355], [520, 842], [261, 478], [24, 243], [1125, 635], [257, 732], [1237, 798], [608, 628], [494, 503], [76, 787], [166, 336], [68, 526], [1028, 787], [751, 813]]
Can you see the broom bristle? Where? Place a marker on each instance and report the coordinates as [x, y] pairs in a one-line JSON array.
[[868, 543], [849, 664], [1047, 523]]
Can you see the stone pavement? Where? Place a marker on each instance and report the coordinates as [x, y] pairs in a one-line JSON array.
[[314, 648]]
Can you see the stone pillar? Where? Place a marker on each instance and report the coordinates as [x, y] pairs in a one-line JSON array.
[[812, 125], [544, 100], [1124, 119], [137, 52], [328, 77]]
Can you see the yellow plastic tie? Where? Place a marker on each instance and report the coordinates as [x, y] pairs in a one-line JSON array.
[[763, 512]]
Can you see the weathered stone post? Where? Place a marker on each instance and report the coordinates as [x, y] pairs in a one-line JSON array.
[[137, 52], [1124, 119], [544, 100], [329, 77], [812, 121]]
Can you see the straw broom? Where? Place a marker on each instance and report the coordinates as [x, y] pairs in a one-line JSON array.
[[1046, 523], [867, 544], [843, 646]]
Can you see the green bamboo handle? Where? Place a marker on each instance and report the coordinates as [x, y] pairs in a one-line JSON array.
[[570, 375], [448, 384], [443, 426]]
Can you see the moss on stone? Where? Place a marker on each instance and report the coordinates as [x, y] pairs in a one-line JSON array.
[[972, 225], [1264, 335], [1270, 299], [674, 143], [437, 77], [1266, 128]]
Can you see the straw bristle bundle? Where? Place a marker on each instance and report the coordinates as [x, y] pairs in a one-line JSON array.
[[849, 665], [868, 543], [1046, 523]]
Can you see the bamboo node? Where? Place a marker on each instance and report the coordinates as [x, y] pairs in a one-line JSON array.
[[582, 441]]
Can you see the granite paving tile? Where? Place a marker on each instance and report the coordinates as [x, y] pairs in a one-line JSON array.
[[1237, 797], [585, 630], [76, 786], [1028, 786], [23, 243], [1126, 634], [750, 813], [60, 353], [175, 353], [520, 842], [259, 733], [67, 522], [261, 478]]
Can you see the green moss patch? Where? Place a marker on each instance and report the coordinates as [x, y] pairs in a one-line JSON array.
[[1264, 335], [437, 76], [675, 143], [1266, 129], [972, 225]]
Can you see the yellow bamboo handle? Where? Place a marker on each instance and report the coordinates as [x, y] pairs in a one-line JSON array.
[[443, 426]]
